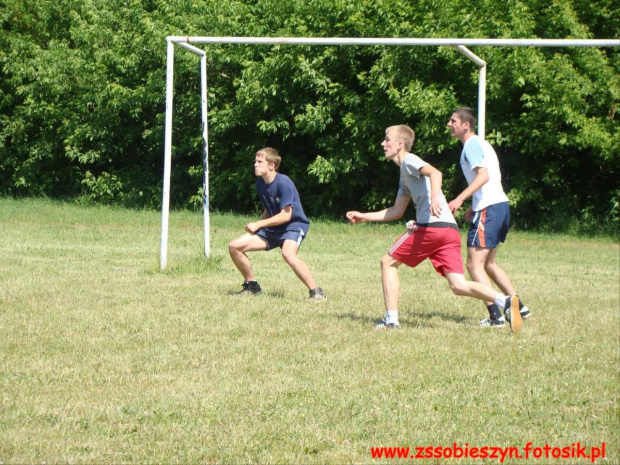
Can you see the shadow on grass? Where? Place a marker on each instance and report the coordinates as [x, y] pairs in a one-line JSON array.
[[274, 294], [408, 318]]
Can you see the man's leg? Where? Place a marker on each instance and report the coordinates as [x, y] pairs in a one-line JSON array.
[[460, 286], [289, 253], [497, 274], [237, 250], [390, 281], [476, 260], [509, 304], [391, 290], [488, 229], [502, 280]]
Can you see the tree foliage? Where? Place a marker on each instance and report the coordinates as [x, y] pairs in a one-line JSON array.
[[82, 101]]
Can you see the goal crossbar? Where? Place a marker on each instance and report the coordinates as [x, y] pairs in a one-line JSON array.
[[398, 41], [188, 43]]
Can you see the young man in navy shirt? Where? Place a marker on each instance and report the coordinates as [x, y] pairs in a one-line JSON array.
[[283, 224]]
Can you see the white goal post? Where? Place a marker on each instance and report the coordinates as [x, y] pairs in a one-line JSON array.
[[186, 42]]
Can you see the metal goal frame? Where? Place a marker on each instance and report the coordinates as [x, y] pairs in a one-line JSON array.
[[187, 43]]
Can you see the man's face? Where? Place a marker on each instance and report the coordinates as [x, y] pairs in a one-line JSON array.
[[261, 166], [391, 145], [458, 129]]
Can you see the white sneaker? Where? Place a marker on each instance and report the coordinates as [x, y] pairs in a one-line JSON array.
[[491, 323], [383, 324]]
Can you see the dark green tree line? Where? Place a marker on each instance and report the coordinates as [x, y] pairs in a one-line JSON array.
[[82, 101]]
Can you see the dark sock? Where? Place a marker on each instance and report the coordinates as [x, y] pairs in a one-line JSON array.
[[494, 311]]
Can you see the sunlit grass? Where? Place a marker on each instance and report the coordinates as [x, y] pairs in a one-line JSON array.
[[106, 359]]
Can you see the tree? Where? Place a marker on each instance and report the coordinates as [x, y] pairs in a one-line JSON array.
[[82, 101]]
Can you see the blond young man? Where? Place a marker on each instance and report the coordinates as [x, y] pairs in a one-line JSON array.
[[283, 224], [433, 235]]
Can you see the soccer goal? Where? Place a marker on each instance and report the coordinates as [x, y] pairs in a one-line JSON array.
[[186, 43]]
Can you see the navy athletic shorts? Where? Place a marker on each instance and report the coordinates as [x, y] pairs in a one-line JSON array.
[[276, 238], [489, 226]]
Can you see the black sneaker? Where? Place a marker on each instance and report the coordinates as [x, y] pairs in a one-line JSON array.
[[317, 294], [525, 312], [514, 318], [250, 288], [383, 324], [493, 323]]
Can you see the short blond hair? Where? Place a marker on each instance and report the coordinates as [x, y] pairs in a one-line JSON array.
[[404, 133], [271, 155]]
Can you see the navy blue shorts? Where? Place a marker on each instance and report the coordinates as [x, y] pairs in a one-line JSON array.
[[276, 238], [489, 226]]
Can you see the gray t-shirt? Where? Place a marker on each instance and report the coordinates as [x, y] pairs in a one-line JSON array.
[[417, 186]]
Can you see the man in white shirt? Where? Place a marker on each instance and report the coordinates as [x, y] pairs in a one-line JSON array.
[[489, 212]]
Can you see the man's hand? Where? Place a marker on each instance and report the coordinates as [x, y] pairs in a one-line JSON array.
[[455, 205], [252, 228], [354, 217], [435, 208]]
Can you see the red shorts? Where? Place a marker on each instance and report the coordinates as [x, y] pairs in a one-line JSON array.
[[441, 245]]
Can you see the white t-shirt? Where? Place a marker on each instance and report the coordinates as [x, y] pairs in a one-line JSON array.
[[417, 186], [478, 153]]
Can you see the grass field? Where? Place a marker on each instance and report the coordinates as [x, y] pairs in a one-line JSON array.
[[106, 359]]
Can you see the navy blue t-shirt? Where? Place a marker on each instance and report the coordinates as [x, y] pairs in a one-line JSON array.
[[277, 195]]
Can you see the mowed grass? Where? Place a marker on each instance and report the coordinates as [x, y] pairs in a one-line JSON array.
[[106, 359]]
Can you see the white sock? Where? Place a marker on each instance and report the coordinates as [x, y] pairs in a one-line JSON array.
[[500, 301], [391, 316]]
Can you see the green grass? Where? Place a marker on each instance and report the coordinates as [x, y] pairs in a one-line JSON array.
[[106, 359]]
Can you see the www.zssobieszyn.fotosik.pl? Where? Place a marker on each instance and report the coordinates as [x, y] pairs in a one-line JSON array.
[[530, 451]]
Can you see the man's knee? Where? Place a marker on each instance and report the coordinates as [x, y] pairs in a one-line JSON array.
[[235, 246], [490, 266], [458, 289], [457, 282], [388, 262], [232, 248], [475, 266], [289, 256]]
